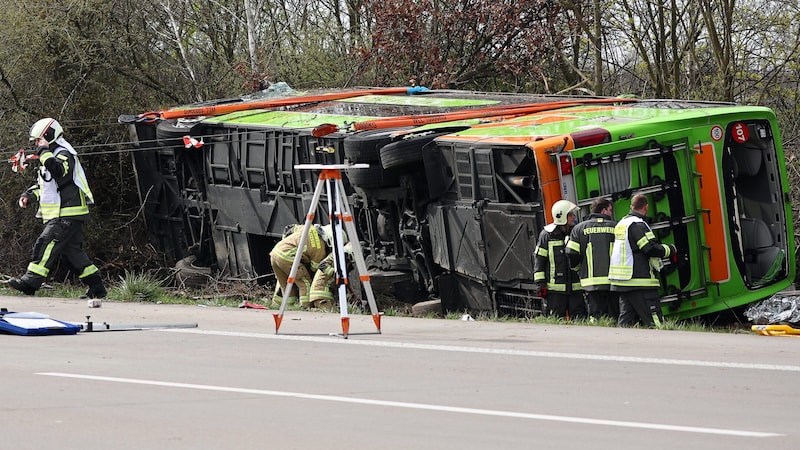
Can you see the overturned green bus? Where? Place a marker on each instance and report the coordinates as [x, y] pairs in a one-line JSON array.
[[459, 185]]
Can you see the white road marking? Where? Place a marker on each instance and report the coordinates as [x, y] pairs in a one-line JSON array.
[[423, 406], [500, 351]]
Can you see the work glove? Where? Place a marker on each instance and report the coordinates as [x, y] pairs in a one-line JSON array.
[[326, 267], [673, 253], [541, 290]]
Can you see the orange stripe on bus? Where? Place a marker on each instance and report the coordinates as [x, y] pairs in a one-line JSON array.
[[548, 170], [713, 223]]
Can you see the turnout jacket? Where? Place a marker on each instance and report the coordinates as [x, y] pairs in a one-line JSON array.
[[636, 255], [61, 187], [589, 251], [314, 252], [551, 266]]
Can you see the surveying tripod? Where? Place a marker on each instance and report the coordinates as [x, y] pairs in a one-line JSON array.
[[330, 179]]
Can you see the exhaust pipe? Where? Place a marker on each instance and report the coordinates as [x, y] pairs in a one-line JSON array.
[[523, 181]]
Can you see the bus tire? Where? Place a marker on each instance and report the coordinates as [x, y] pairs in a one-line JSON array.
[[409, 151], [190, 275], [364, 147], [373, 176], [170, 133]]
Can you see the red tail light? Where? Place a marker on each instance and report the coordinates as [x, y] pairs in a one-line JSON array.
[[588, 138], [565, 162]]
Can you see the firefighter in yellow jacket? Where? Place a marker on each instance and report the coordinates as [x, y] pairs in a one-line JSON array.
[[635, 262], [282, 256]]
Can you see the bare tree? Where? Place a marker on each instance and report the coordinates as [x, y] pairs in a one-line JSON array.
[[587, 18], [500, 44], [718, 21]]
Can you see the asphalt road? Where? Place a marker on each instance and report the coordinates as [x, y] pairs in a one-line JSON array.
[[233, 383]]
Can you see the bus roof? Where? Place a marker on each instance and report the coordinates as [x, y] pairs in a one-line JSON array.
[[483, 116]]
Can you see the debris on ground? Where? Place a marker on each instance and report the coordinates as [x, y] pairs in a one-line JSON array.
[[781, 308], [250, 305]]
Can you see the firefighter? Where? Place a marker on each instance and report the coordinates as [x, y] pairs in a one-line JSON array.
[[557, 281], [63, 195], [589, 252], [282, 257], [322, 287], [635, 261]]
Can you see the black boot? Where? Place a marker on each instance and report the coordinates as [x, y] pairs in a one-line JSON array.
[[22, 286], [96, 288]]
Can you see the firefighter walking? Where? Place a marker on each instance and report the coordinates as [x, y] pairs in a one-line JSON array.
[[63, 195]]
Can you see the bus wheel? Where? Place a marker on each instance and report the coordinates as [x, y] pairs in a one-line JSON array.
[[373, 176], [190, 275], [170, 133], [364, 147], [410, 150]]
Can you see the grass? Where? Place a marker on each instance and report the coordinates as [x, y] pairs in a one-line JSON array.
[[668, 324], [138, 287], [146, 288], [150, 288]]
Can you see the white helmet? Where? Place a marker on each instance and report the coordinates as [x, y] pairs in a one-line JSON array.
[[561, 209], [46, 128], [326, 233]]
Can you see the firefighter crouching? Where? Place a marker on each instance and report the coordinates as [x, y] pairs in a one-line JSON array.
[[557, 282], [282, 257]]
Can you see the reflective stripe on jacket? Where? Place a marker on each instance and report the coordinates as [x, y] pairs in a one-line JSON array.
[[551, 266], [634, 246], [62, 189], [314, 252], [589, 250]]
